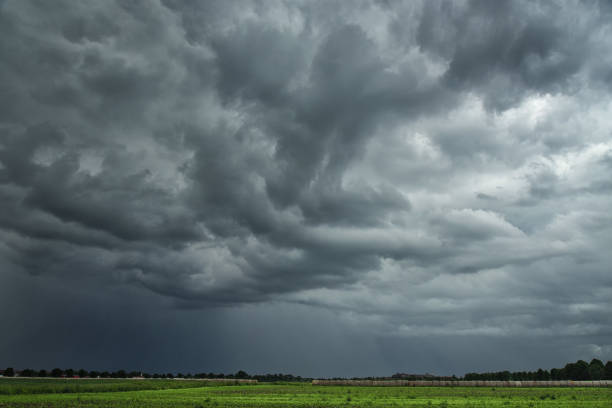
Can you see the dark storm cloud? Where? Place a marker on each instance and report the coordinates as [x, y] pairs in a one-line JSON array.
[[505, 50], [416, 169]]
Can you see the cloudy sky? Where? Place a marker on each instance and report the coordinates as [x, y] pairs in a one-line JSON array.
[[316, 187]]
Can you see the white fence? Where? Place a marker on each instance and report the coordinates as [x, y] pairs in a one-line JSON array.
[[411, 383]]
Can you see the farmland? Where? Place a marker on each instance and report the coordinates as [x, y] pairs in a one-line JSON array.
[[15, 386], [193, 394]]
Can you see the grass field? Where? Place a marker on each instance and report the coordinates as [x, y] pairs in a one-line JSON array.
[[192, 394], [14, 386]]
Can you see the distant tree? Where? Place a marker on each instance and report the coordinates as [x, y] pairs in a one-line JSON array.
[[120, 374], [505, 376], [105, 374], [557, 374], [82, 373], [42, 373], [596, 369], [542, 375], [608, 371], [27, 372], [56, 372], [69, 372], [241, 374], [94, 374], [580, 370], [577, 371], [169, 375], [9, 372]]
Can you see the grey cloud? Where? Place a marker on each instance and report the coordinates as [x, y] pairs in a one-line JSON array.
[[484, 196], [505, 50], [258, 63]]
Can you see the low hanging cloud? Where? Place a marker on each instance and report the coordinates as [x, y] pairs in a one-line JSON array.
[[433, 168]]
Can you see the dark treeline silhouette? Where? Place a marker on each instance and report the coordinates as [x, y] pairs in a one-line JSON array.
[[259, 377], [578, 371], [70, 373]]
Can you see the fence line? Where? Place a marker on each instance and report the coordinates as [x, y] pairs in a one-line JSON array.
[[442, 383]]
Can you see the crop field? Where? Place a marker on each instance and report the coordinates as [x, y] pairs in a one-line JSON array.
[[12, 386], [196, 394]]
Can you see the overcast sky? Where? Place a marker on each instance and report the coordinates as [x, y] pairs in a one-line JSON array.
[[313, 187]]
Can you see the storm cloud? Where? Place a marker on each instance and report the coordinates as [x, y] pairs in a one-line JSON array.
[[424, 177]]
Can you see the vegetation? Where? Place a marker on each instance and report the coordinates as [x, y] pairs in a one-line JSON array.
[[14, 386], [305, 395], [70, 373], [579, 371]]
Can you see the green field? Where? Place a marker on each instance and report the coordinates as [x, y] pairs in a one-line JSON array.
[[14, 386], [195, 394]]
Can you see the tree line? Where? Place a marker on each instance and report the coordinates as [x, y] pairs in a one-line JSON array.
[[71, 373], [578, 371]]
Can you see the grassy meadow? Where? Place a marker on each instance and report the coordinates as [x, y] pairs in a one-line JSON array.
[[194, 394], [16, 386]]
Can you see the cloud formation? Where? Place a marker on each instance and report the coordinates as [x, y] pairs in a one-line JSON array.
[[419, 169]]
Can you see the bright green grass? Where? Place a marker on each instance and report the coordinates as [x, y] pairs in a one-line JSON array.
[[308, 396], [12, 386]]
